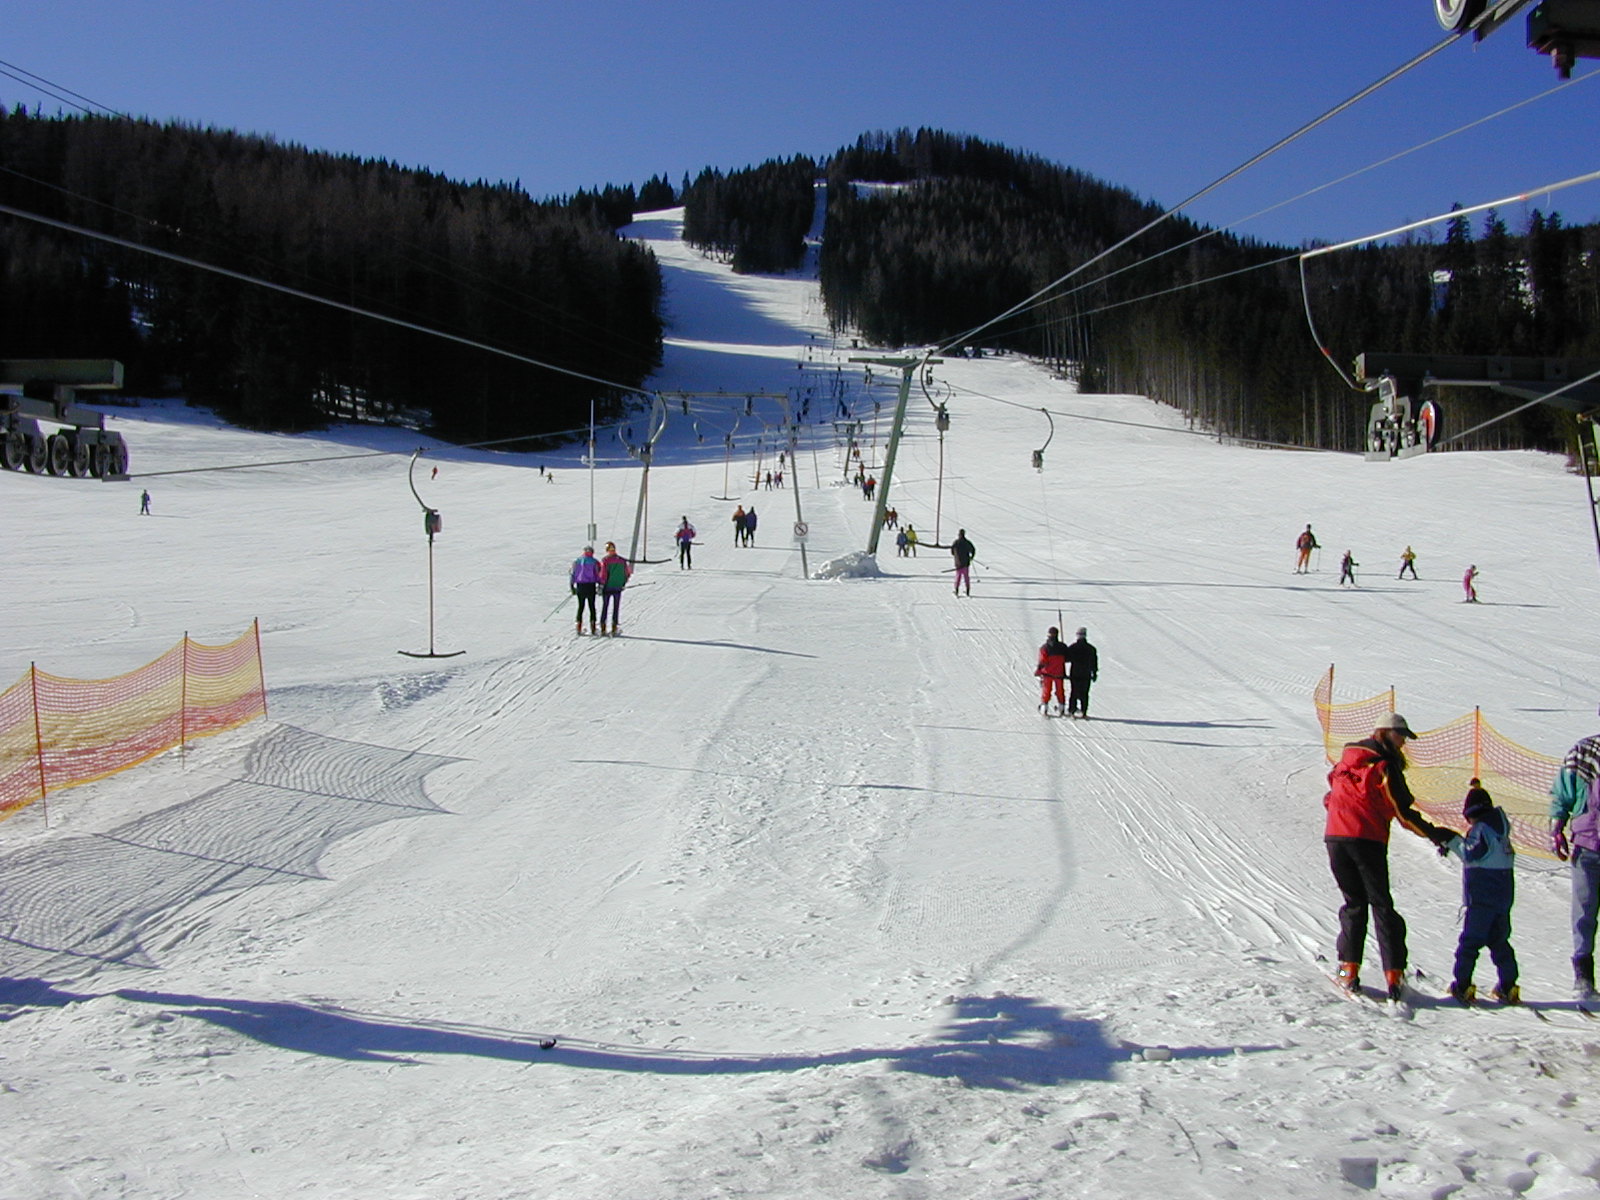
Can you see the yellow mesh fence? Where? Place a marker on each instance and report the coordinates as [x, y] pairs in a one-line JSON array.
[[56, 733], [1444, 760]]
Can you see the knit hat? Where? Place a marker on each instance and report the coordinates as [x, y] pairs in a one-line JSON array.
[[1054, 632], [1478, 802], [1083, 633]]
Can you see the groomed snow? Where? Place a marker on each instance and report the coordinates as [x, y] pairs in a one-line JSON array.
[[813, 900]]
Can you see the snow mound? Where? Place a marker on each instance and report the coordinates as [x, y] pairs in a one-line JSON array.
[[856, 565]]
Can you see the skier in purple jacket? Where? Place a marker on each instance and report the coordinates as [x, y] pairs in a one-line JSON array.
[[586, 576]]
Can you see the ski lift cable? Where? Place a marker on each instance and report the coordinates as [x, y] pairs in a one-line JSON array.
[[1166, 215], [1506, 416], [315, 299], [1321, 187], [40, 83], [1072, 416], [1453, 214]]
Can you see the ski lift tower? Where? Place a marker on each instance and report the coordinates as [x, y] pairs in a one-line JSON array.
[[907, 368]]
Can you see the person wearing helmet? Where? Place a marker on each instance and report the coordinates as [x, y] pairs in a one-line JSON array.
[[1367, 792]]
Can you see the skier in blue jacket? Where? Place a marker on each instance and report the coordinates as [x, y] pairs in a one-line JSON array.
[[1488, 889]]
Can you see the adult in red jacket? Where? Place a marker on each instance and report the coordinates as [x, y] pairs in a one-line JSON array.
[[1367, 791], [1052, 670]]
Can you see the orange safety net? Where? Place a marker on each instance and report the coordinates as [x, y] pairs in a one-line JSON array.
[[1443, 761], [56, 733]]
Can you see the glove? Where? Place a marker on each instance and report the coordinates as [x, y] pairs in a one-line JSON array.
[[1446, 847], [1558, 843], [1441, 838]]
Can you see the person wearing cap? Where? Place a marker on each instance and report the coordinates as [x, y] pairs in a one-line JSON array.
[[1367, 792], [1469, 584], [1487, 890], [1052, 671], [615, 573], [1575, 839], [1083, 668], [585, 577]]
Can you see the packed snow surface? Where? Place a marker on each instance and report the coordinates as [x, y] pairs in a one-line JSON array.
[[808, 896]]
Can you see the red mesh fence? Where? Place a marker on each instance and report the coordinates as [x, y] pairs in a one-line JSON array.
[[56, 733], [1442, 761]]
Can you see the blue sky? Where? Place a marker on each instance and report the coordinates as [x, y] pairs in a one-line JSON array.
[[1161, 97]]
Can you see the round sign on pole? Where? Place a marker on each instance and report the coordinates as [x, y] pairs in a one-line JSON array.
[[801, 531]]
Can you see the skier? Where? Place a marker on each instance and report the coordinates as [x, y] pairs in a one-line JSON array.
[[616, 573], [903, 541], [1575, 838], [144, 504], [963, 552], [1408, 562], [1083, 668], [911, 539], [585, 577], [1487, 892], [738, 526], [750, 526], [685, 538], [1051, 671], [1367, 791], [1305, 544], [1347, 569], [1468, 585]]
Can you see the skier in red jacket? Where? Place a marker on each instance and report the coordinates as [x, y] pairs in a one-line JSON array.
[[1052, 670], [1367, 791]]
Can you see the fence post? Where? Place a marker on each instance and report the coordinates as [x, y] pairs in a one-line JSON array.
[[38, 740], [1477, 740], [183, 702], [261, 671]]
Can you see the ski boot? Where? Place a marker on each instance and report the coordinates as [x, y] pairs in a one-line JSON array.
[[1508, 994], [1061, 710], [1044, 709], [1349, 977], [580, 626], [1463, 994], [593, 632], [1396, 983], [1583, 979]]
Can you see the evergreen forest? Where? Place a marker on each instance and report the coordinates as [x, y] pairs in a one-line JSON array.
[[954, 231], [546, 281]]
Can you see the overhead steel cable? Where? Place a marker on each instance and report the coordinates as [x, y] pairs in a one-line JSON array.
[[1321, 187], [40, 83], [1166, 215], [315, 299], [1410, 226]]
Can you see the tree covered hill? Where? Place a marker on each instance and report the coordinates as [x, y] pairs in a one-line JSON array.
[[549, 281]]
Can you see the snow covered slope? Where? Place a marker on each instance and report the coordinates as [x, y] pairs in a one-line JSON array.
[[811, 898]]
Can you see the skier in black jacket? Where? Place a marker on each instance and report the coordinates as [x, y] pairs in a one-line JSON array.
[[1083, 668]]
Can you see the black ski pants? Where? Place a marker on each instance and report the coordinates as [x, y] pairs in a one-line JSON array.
[[1361, 869], [1078, 698]]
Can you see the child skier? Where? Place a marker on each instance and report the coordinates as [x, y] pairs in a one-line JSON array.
[[1469, 584], [1347, 569], [1052, 672], [1487, 892]]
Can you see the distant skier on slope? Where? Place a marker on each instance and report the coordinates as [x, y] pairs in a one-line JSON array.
[[685, 540], [738, 526], [1083, 668], [585, 577], [1052, 672], [1367, 792], [963, 552], [1305, 544], [1347, 569], [1469, 585], [1408, 562]]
